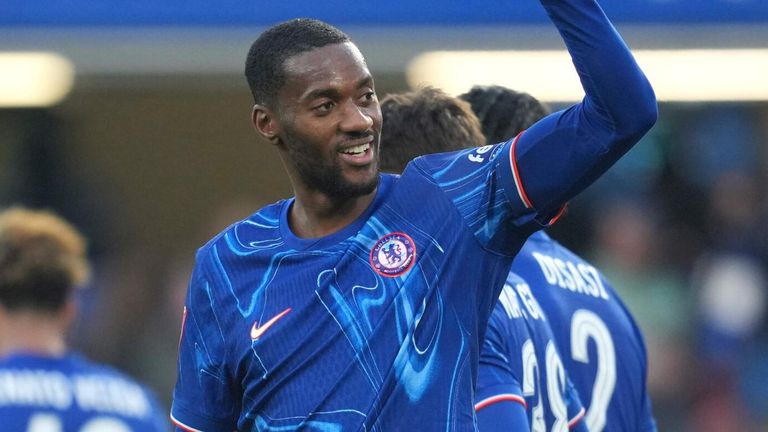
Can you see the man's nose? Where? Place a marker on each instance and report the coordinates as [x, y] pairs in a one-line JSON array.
[[356, 118]]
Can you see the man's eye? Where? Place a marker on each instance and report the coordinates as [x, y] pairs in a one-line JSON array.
[[325, 107]]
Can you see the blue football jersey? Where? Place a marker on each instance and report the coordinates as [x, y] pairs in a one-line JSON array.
[[602, 347], [520, 363], [71, 394], [372, 328], [378, 326]]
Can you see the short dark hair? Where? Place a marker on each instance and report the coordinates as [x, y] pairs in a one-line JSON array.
[[265, 64], [42, 258], [422, 122], [503, 112]]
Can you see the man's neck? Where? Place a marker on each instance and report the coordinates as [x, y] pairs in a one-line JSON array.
[[315, 215], [32, 333]]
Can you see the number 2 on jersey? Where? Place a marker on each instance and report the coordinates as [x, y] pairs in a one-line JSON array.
[[586, 325]]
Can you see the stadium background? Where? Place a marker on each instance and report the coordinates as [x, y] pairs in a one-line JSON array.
[[151, 153]]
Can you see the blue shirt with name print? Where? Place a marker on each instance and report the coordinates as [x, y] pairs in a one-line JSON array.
[[522, 383], [40, 393], [601, 345]]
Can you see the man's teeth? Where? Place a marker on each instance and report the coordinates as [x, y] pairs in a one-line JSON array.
[[357, 149]]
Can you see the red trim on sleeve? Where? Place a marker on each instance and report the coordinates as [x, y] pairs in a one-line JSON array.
[[576, 419], [182, 426], [183, 321], [559, 214], [500, 398], [516, 174]]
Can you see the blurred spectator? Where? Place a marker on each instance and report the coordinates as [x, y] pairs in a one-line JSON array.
[[736, 215], [732, 284], [700, 154], [732, 300]]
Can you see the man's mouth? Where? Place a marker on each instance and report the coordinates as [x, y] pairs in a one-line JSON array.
[[357, 150]]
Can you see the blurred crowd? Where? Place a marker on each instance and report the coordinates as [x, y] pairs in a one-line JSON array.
[[677, 226]]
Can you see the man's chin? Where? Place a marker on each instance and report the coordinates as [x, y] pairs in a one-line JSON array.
[[366, 187], [370, 187], [354, 189]]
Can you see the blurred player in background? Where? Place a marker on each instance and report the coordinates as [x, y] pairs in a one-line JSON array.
[[603, 347], [346, 307], [522, 384], [424, 122], [45, 387], [503, 113]]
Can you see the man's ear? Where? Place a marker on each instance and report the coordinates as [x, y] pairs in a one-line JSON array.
[[68, 313], [265, 123]]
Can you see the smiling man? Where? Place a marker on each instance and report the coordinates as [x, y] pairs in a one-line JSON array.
[[368, 293]]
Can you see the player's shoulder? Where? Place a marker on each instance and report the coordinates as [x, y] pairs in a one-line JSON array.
[[540, 242], [6, 361], [70, 364], [508, 306], [439, 164], [34, 361], [140, 401], [80, 364], [569, 255], [263, 223], [506, 326], [614, 305], [513, 279]]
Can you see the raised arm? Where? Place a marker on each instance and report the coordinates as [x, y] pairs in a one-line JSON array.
[[565, 152]]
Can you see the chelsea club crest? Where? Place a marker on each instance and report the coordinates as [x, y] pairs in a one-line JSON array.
[[393, 255]]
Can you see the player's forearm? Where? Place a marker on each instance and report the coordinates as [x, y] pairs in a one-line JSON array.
[[617, 91], [564, 153]]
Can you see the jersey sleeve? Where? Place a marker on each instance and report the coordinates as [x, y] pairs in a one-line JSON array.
[[503, 416], [203, 397], [565, 152], [480, 184], [500, 404], [522, 185]]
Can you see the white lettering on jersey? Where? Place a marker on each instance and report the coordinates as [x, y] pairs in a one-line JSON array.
[[509, 302], [35, 388], [95, 393], [46, 389], [526, 296], [577, 277], [477, 155]]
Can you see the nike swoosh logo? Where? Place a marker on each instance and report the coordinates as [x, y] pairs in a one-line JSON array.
[[257, 331]]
